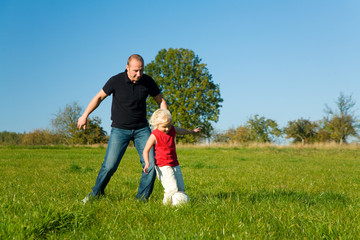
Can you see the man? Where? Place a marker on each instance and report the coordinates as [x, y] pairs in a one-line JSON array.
[[128, 114]]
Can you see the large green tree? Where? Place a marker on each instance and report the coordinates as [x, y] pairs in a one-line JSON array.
[[341, 122], [193, 98]]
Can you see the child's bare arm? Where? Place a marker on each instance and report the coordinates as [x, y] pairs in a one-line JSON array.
[[150, 142], [182, 131]]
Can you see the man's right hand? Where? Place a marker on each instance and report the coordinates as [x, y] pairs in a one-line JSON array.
[[94, 103], [81, 122]]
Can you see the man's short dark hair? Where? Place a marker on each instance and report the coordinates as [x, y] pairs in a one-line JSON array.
[[136, 57]]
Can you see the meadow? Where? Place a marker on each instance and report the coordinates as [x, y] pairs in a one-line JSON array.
[[236, 193]]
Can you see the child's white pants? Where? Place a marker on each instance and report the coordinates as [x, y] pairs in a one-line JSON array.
[[172, 180]]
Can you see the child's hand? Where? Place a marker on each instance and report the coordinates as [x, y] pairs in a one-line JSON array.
[[146, 168], [196, 130]]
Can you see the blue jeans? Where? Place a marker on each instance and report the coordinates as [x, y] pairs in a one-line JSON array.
[[118, 142]]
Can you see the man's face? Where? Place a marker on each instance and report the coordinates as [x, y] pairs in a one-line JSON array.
[[135, 70]]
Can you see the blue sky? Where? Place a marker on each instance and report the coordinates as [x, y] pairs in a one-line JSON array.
[[280, 59]]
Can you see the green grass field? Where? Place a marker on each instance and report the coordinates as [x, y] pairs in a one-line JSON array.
[[240, 193]]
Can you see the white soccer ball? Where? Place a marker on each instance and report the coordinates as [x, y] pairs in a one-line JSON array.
[[179, 198]]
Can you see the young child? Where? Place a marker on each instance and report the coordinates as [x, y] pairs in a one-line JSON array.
[[166, 163]]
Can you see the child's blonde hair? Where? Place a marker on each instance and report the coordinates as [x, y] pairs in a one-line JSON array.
[[160, 116]]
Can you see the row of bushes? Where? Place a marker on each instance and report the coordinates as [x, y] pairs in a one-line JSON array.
[[46, 137]]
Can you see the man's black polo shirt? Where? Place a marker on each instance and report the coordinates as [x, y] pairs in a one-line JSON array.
[[128, 110]]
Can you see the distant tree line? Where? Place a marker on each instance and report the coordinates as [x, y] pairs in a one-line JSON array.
[[338, 125]]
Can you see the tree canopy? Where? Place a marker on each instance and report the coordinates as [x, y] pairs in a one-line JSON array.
[[301, 130], [341, 122], [263, 129]]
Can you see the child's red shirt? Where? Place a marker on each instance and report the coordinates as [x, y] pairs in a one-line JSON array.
[[165, 151]]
